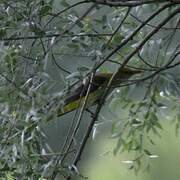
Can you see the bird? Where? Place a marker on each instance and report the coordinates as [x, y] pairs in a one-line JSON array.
[[76, 98]]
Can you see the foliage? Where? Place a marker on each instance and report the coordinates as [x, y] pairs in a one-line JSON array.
[[37, 40]]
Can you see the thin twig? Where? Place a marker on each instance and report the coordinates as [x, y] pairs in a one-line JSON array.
[[54, 35]]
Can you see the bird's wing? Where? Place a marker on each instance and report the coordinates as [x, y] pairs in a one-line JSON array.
[[73, 101], [81, 90]]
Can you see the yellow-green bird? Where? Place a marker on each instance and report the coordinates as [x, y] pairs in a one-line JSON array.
[[100, 81]]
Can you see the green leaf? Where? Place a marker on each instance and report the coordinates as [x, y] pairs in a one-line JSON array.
[[136, 122], [104, 21], [83, 69], [153, 117], [64, 3], [45, 10], [118, 146], [147, 152], [117, 38], [2, 33], [9, 176], [157, 124]]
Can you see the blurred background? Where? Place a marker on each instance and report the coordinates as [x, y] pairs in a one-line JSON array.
[[101, 164]]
